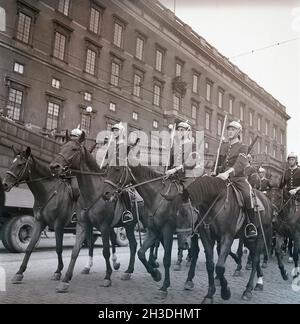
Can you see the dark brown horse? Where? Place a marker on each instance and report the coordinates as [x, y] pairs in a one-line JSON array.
[[53, 203], [96, 212], [221, 220], [162, 217]]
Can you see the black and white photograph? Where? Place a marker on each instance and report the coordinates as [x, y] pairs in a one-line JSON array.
[[149, 154]]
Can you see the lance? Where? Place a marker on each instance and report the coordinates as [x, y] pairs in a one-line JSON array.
[[220, 143], [108, 145], [172, 143]]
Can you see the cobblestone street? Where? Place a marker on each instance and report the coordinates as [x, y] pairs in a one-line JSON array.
[[38, 288]]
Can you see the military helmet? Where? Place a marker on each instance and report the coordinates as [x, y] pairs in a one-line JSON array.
[[184, 125], [118, 126], [261, 169], [76, 132], [235, 124], [292, 155]]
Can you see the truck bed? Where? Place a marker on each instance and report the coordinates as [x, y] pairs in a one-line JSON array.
[[19, 197]]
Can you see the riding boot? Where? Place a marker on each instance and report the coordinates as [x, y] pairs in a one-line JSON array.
[[250, 229]]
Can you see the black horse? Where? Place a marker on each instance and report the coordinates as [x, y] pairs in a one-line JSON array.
[[221, 220]]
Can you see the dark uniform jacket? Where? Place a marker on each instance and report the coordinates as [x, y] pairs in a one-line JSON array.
[[233, 156], [252, 176], [264, 184], [291, 179]]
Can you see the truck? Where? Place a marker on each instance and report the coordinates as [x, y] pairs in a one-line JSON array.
[[16, 222]]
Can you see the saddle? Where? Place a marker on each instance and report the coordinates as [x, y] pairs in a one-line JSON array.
[[120, 207], [174, 187]]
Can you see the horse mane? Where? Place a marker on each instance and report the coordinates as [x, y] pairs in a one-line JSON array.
[[91, 161], [43, 167], [145, 172], [205, 188]]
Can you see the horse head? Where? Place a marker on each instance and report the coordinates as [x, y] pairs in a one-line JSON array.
[[69, 156], [186, 217], [19, 169]]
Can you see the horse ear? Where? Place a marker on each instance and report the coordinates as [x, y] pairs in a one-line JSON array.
[[185, 195], [28, 151], [67, 137], [82, 137], [14, 150]]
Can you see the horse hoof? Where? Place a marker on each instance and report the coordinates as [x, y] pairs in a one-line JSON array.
[[17, 279], [259, 287], [161, 294], [225, 293], [117, 265], [285, 275], [207, 301], [63, 287], [237, 273], [177, 267], [248, 266], [156, 275], [247, 295], [85, 270], [126, 276], [189, 285], [106, 283], [290, 260], [264, 265], [56, 276]]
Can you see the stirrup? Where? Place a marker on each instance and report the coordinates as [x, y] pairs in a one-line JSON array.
[[127, 216], [74, 218], [253, 233]]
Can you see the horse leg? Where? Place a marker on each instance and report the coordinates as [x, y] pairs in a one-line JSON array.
[[153, 254], [189, 258], [132, 246], [80, 236], [113, 240], [168, 242], [177, 265], [148, 242], [194, 250], [208, 244], [105, 230], [59, 235], [36, 233], [296, 257], [225, 246], [279, 256], [290, 249], [255, 257], [239, 255], [260, 276], [90, 243]]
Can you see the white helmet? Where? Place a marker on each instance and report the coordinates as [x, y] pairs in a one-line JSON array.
[[261, 169], [184, 125], [292, 155], [77, 132], [235, 124], [118, 126]]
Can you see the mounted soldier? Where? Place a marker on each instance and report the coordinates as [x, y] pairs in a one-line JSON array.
[[264, 183], [231, 165], [251, 173], [290, 181]]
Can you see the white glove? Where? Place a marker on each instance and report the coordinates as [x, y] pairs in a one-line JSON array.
[[293, 192], [224, 176], [174, 170]]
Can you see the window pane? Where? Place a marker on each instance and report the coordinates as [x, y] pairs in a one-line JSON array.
[[157, 92], [178, 69], [207, 120], [52, 116], [86, 123], [118, 34], [158, 60], [195, 83], [194, 111], [208, 91], [112, 106], [220, 99], [63, 6], [94, 21], [115, 72], [23, 30], [14, 104], [176, 102], [90, 62], [139, 48], [137, 85], [59, 46]]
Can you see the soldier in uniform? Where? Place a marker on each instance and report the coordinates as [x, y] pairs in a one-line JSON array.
[[232, 164], [264, 183], [291, 178], [251, 173]]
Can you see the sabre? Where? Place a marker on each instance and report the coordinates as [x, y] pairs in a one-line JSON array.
[[219, 148], [103, 159], [172, 143]]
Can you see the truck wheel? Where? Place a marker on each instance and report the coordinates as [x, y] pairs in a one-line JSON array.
[[5, 234], [121, 237], [21, 232]]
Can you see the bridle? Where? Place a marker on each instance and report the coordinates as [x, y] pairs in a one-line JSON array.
[[190, 229], [68, 162], [124, 179], [19, 177]]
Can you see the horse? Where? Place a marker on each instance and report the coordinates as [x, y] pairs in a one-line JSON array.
[[287, 224], [96, 212], [53, 205], [2, 198], [161, 215], [220, 218]]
